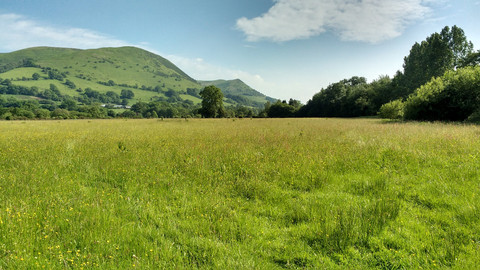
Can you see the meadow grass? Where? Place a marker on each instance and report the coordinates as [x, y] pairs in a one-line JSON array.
[[239, 194]]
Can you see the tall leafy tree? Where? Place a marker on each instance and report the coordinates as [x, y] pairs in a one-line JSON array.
[[458, 43], [212, 102], [432, 57], [472, 59]]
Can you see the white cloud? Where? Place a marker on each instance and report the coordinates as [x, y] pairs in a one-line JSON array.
[[18, 32], [358, 20]]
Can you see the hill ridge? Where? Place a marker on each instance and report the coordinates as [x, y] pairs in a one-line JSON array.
[[112, 69]]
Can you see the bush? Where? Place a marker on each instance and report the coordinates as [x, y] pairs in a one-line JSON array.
[[60, 113], [474, 117], [453, 97], [6, 116], [392, 110]]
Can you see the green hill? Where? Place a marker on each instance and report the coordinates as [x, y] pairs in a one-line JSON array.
[[237, 91], [103, 70], [147, 75]]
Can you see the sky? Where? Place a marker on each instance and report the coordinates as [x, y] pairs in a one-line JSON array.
[[282, 48]]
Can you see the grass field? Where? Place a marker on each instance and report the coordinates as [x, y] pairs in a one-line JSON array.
[[239, 194]]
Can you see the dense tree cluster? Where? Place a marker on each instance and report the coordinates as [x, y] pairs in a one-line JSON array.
[[90, 96], [156, 109], [7, 87], [434, 85], [127, 94], [455, 96], [54, 74], [12, 108]]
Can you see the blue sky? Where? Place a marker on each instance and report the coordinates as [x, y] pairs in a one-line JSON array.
[[283, 48]]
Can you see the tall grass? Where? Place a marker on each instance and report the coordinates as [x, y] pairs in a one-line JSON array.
[[243, 194]]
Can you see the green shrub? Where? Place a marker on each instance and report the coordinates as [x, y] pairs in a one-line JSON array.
[[6, 116], [454, 97], [474, 117], [392, 110]]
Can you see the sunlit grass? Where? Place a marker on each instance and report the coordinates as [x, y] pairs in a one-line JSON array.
[[224, 193]]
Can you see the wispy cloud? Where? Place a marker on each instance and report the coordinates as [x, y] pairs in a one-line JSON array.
[[19, 32], [202, 70], [356, 20]]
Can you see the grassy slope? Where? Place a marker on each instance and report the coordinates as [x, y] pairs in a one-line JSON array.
[[140, 95], [237, 87], [244, 194], [126, 65]]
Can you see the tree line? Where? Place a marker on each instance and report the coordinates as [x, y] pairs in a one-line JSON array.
[[440, 81]]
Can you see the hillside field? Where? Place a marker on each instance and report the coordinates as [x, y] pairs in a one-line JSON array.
[[239, 194], [127, 67]]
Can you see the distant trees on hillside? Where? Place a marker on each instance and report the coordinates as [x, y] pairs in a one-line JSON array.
[[127, 94], [12, 108], [28, 62], [54, 74], [89, 96], [109, 83], [70, 84]]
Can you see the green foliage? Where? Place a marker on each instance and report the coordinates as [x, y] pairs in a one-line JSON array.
[[27, 108], [346, 98], [439, 53], [69, 104], [91, 95], [35, 76], [452, 97], [70, 84], [472, 59], [212, 102], [281, 110], [162, 109], [474, 118], [127, 94], [392, 110], [54, 74]]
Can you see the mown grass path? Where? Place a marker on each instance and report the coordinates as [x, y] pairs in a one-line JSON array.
[[239, 194]]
